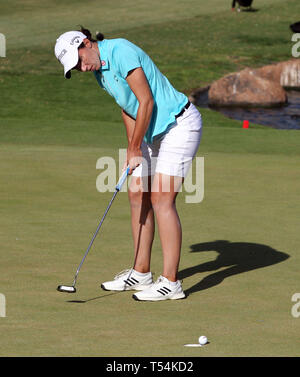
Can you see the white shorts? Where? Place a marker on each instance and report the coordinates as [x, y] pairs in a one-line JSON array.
[[172, 154]]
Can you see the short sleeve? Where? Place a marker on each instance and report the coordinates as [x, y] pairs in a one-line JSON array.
[[126, 58]]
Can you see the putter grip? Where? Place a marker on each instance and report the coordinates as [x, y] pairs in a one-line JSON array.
[[122, 179]]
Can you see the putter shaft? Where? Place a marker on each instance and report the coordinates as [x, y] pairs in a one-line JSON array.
[[118, 188]]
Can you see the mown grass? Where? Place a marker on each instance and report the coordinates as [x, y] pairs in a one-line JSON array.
[[191, 50], [240, 255]]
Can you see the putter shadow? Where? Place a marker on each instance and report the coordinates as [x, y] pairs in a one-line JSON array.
[[238, 257], [92, 299]]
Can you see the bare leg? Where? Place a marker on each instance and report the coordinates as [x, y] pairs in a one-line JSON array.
[[164, 192], [142, 223]]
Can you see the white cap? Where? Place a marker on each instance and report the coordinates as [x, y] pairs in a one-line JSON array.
[[66, 50]]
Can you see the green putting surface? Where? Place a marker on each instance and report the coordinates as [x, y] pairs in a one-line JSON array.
[[240, 255]]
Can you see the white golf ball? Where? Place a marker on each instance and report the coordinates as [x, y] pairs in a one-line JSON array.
[[202, 340]]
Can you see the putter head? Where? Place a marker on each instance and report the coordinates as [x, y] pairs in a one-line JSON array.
[[66, 288]]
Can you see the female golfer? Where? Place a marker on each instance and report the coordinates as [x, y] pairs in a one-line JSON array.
[[163, 131]]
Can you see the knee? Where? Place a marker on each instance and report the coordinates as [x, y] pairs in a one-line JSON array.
[[135, 198], [139, 200], [138, 192], [161, 202]]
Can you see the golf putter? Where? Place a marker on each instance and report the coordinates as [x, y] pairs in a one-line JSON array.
[[72, 289]]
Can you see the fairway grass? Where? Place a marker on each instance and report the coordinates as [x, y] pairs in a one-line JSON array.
[[239, 259], [240, 254]]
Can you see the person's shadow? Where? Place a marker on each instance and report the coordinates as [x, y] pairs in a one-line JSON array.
[[239, 257]]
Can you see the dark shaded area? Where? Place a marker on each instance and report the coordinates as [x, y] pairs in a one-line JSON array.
[[295, 27], [239, 257], [243, 3]]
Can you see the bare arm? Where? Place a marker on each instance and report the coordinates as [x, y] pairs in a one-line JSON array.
[[129, 125], [139, 85]]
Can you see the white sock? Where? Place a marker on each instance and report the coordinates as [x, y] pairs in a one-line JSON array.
[[140, 274]]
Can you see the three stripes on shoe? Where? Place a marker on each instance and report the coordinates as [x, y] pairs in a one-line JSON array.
[[164, 290], [131, 281]]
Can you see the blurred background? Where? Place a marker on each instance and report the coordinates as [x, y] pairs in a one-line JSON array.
[[240, 252]]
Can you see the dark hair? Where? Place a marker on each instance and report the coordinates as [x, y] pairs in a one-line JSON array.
[[99, 36]]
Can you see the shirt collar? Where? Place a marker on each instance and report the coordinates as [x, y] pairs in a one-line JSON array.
[[102, 45]]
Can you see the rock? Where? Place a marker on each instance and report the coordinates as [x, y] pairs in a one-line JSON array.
[[252, 87], [290, 74], [199, 96], [287, 74], [246, 88]]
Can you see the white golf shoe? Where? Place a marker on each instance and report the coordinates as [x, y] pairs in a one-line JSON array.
[[129, 280], [162, 289]]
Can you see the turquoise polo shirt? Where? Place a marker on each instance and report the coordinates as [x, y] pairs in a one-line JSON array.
[[118, 58]]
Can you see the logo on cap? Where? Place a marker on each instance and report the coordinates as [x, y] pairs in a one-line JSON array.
[[75, 40], [62, 54]]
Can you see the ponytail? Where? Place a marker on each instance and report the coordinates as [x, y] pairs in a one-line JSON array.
[[99, 36]]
